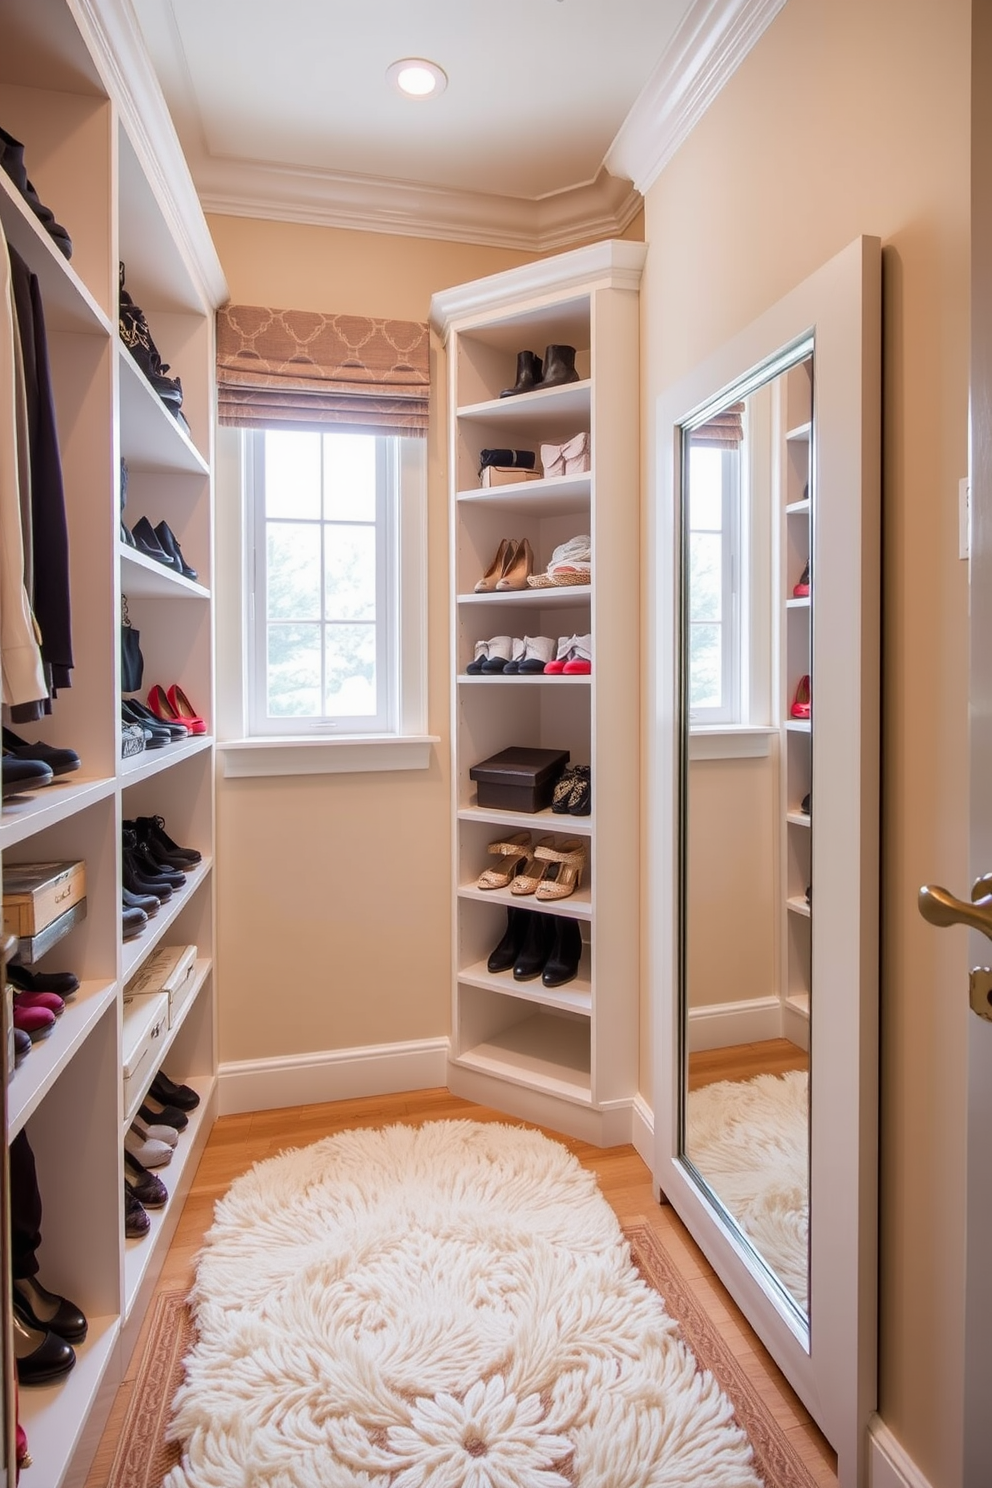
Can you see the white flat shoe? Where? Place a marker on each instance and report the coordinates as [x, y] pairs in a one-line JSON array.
[[149, 1154], [153, 1132]]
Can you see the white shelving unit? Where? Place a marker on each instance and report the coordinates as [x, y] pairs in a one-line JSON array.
[[59, 95], [797, 497], [565, 1056]]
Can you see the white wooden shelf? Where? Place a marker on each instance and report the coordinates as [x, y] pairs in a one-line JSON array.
[[799, 725], [540, 822], [560, 595], [137, 951], [575, 996], [800, 603], [49, 1056], [69, 305], [798, 906], [799, 1002], [555, 495], [801, 434], [798, 819], [54, 1416], [24, 816], [141, 575], [577, 906], [550, 413], [201, 971], [151, 439], [152, 761], [798, 508], [543, 1050], [534, 679]]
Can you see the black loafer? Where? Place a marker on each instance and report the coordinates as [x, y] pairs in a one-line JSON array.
[[59, 761], [171, 1094], [163, 1116], [41, 1356], [47, 1311], [65, 983], [19, 775]]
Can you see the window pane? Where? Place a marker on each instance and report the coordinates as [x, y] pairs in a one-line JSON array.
[[705, 575], [293, 671], [293, 559], [349, 477], [292, 474], [349, 556], [705, 488], [350, 661], [705, 666]]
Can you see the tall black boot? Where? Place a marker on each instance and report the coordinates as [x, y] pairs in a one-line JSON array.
[[528, 374], [559, 367], [536, 947], [563, 963], [508, 949]]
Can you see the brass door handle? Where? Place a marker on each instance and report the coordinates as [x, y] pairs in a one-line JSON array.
[[940, 907]]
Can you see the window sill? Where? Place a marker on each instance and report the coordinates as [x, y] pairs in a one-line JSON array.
[[305, 755], [730, 741]]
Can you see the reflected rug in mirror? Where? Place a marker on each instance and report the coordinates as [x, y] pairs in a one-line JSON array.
[[446, 1306], [749, 1140]]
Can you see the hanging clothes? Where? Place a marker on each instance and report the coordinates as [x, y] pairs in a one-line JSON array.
[[23, 675]]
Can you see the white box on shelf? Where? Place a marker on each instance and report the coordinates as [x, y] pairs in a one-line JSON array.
[[171, 969], [145, 1024]]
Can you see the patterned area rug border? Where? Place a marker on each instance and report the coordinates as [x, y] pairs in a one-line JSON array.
[[144, 1457], [775, 1458]]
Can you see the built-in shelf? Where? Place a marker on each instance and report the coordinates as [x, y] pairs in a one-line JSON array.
[[575, 996], [153, 761], [49, 1056], [141, 575], [67, 795], [798, 819], [539, 821], [801, 434], [559, 595], [55, 1416], [534, 679], [136, 951], [549, 414], [798, 508], [151, 439], [556, 495], [797, 905], [577, 906], [551, 1051]]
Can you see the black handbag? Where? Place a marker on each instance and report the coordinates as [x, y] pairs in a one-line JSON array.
[[132, 661], [507, 458]]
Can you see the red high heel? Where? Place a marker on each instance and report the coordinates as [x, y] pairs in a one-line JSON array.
[[162, 708], [802, 704], [185, 711]]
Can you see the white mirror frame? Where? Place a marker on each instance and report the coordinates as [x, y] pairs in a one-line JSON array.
[[833, 1367]]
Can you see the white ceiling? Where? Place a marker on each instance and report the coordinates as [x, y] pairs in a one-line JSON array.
[[284, 110]]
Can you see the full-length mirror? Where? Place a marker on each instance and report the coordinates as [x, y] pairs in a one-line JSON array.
[[746, 516]]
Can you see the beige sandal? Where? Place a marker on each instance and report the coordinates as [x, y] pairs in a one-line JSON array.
[[533, 871], [513, 851], [565, 873]]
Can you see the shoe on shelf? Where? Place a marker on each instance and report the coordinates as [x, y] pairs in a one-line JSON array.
[[537, 652], [802, 703], [580, 799], [146, 541], [45, 1310], [156, 735], [59, 761], [496, 662], [19, 775], [36, 1022], [531, 871], [801, 590], [558, 367], [136, 1221], [22, 1046], [147, 903], [184, 710], [562, 964], [65, 983], [158, 703], [147, 1187], [133, 921], [512, 852], [141, 713], [170, 544], [171, 1094], [562, 793], [517, 571], [529, 374], [161, 1115], [805, 804], [566, 865], [155, 1131], [508, 948], [50, 1000], [497, 647], [536, 947], [151, 829], [492, 575], [573, 656], [41, 1355], [148, 1153]]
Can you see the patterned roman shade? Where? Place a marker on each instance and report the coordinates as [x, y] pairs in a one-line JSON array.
[[304, 369], [724, 431]]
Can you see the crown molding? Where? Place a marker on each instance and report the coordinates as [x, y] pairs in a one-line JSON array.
[[711, 42], [118, 47], [324, 198], [614, 264]]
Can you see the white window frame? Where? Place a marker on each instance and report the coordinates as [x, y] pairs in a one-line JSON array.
[[398, 739], [732, 610]]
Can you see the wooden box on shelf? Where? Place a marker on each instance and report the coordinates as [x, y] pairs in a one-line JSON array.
[[35, 894]]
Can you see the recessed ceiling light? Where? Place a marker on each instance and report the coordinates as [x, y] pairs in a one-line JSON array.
[[415, 77]]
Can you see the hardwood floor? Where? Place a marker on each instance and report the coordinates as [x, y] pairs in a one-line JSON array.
[[744, 1061], [237, 1142]]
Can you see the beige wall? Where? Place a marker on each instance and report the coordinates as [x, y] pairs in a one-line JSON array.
[[852, 118], [333, 891]]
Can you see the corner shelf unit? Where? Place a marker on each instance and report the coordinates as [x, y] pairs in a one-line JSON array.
[[85, 152], [567, 1056], [796, 497]]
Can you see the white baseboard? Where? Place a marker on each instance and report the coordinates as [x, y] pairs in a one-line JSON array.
[[642, 1131], [723, 1023], [889, 1465], [334, 1074]]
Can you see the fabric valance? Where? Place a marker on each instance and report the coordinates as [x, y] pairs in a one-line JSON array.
[[302, 368]]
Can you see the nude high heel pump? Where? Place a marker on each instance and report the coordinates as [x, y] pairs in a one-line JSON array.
[[517, 570], [493, 574]]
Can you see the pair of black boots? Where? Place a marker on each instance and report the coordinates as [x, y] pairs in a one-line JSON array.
[[137, 338], [536, 944], [557, 368]]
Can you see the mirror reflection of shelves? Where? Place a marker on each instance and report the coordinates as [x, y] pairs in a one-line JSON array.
[[567, 1054]]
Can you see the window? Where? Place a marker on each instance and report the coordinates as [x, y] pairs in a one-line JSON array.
[[335, 583], [714, 607]]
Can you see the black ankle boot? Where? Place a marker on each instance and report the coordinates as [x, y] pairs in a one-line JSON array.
[[528, 374], [508, 950], [559, 367], [536, 947], [563, 963]]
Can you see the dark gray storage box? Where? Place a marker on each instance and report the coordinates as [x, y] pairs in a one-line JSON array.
[[519, 779]]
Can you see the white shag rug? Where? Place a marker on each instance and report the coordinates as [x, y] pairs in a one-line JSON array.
[[445, 1306], [750, 1141]]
